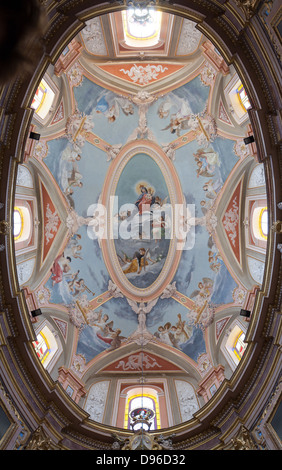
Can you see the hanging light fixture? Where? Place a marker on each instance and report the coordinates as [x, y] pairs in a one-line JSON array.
[[141, 418], [141, 11]]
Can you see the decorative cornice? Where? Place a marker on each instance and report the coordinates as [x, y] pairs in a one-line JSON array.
[[243, 440], [249, 7], [5, 227], [40, 441]]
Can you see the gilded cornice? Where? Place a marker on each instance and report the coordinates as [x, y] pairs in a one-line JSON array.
[[18, 429], [260, 69], [249, 7], [243, 440], [263, 427], [86, 442], [264, 15], [39, 440], [208, 439]]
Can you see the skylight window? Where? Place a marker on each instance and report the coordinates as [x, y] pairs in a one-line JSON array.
[[243, 98], [264, 222], [260, 223], [141, 26], [22, 223], [142, 23], [43, 99], [18, 223], [46, 346], [239, 345], [141, 405], [41, 347]]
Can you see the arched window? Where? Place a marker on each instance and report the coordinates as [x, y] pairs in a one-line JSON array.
[[43, 99], [39, 97], [46, 346], [243, 98], [239, 345], [234, 346], [41, 347], [18, 223], [238, 99], [22, 223], [141, 405], [263, 222], [260, 223]]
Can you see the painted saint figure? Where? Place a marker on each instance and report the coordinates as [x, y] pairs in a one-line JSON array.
[[60, 266], [138, 262]]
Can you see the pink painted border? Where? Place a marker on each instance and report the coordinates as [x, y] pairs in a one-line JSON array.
[[108, 249]]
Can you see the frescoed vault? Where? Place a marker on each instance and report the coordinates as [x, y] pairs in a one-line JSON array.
[[184, 136], [136, 209]]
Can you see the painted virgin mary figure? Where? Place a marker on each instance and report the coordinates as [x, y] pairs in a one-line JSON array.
[[145, 199]]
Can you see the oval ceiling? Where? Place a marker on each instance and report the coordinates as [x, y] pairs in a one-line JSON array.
[[142, 186]]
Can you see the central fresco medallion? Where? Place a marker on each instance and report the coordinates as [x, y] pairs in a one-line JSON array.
[[141, 246]]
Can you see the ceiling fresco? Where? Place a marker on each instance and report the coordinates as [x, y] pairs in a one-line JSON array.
[[201, 165], [116, 168]]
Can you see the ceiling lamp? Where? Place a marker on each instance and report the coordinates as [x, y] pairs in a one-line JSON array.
[[141, 12], [141, 418]]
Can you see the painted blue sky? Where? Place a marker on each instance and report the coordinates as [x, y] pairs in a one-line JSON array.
[[142, 168], [92, 99]]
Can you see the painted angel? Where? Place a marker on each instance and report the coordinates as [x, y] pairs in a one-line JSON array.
[[181, 119], [74, 179], [165, 335], [141, 336], [165, 107], [212, 188], [169, 150], [60, 266], [142, 310], [206, 161], [204, 290], [182, 332], [112, 151], [139, 260], [177, 123]]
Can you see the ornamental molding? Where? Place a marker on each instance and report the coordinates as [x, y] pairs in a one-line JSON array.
[[93, 37], [243, 440], [144, 75], [40, 441], [249, 7], [189, 38], [143, 441], [107, 245], [5, 227]]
